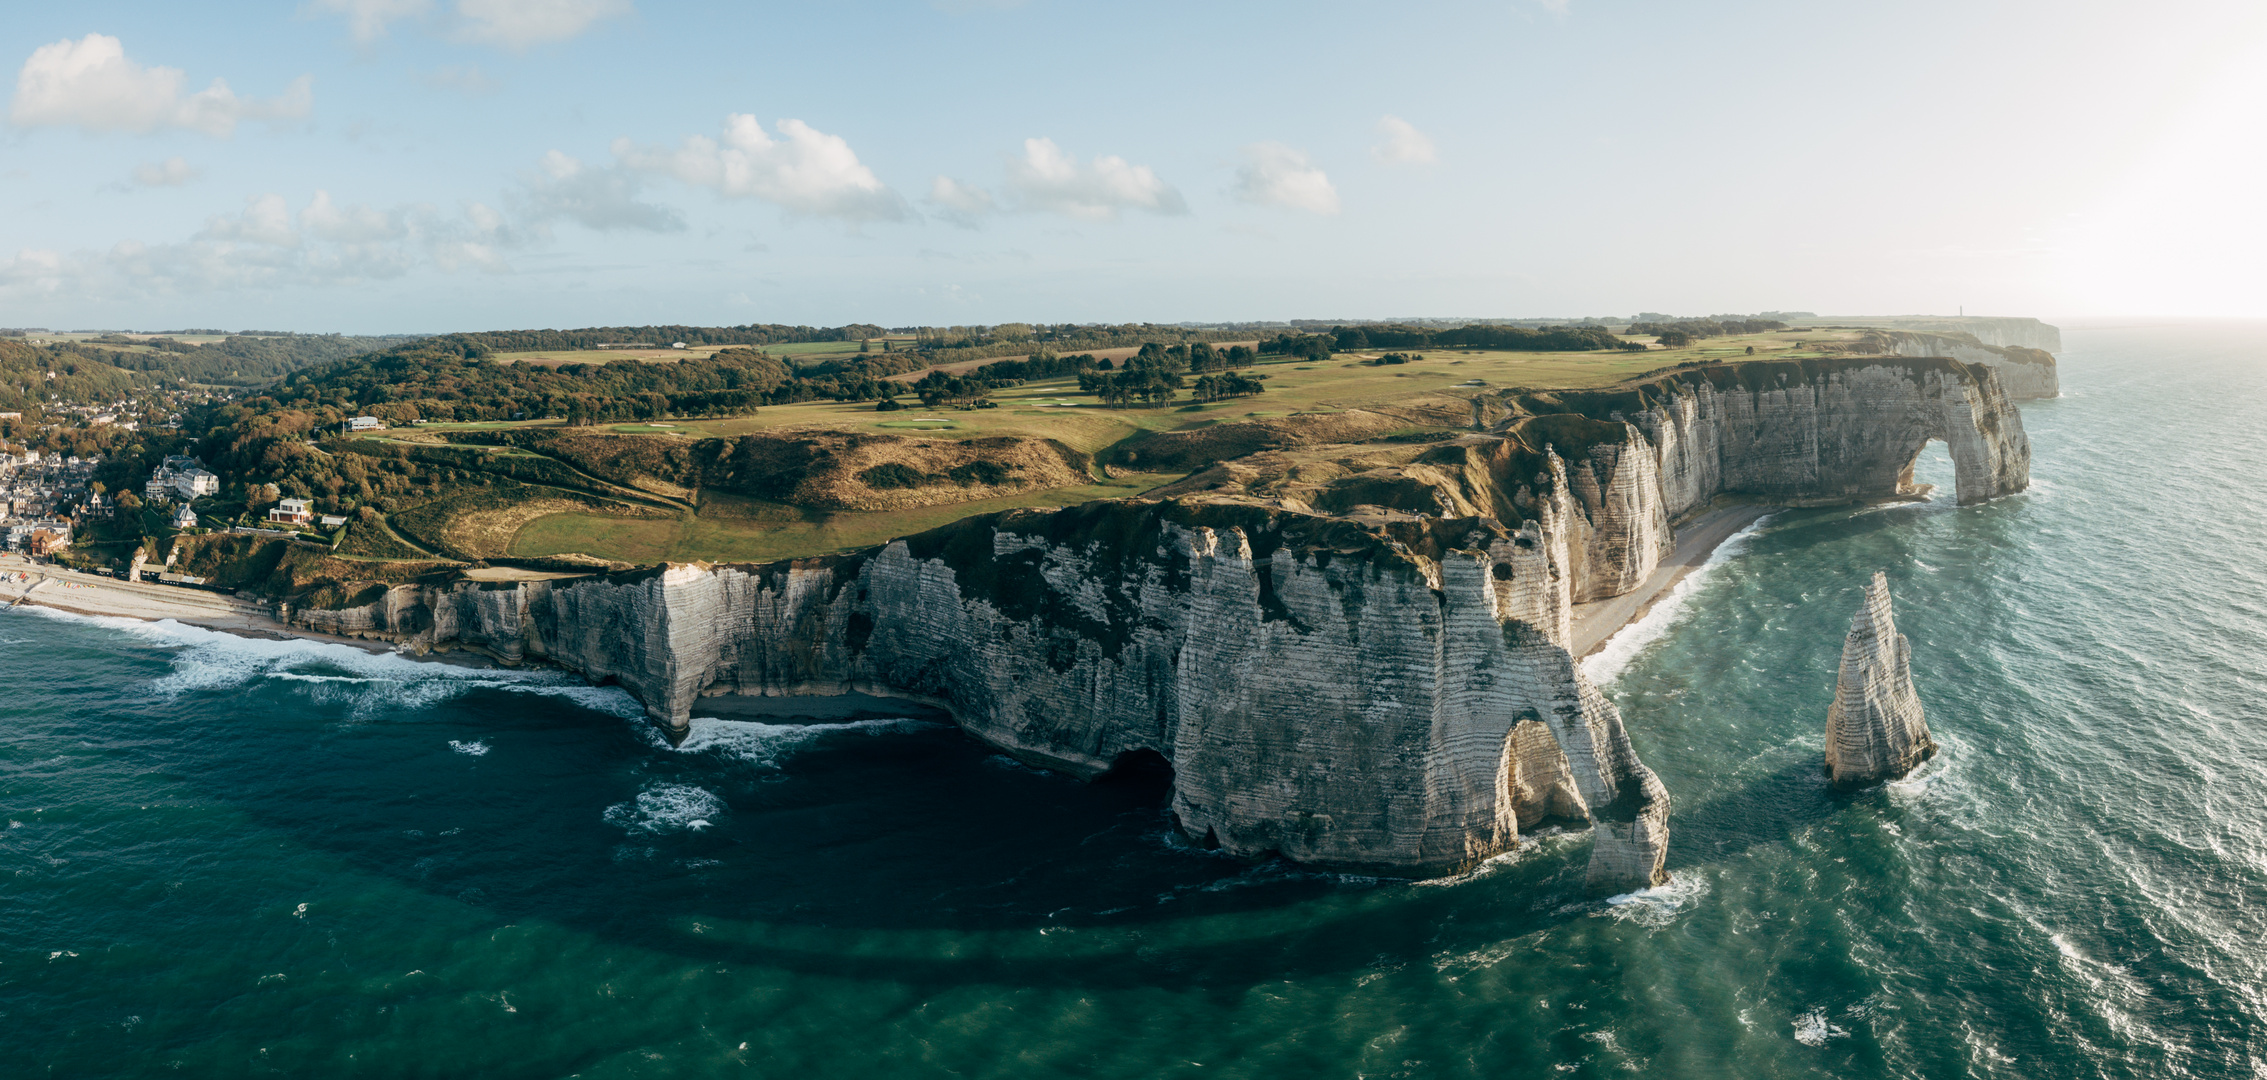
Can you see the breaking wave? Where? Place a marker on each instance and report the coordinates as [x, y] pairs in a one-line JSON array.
[[1626, 643]]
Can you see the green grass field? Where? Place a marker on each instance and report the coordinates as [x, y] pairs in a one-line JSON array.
[[734, 529], [730, 529], [1054, 408]]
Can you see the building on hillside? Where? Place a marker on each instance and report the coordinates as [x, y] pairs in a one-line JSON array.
[[196, 483], [184, 518], [365, 423], [332, 521], [291, 512]]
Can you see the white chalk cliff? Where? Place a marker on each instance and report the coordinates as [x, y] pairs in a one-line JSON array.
[[1350, 686], [1875, 730]]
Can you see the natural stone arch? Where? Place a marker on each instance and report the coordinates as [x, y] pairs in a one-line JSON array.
[[1534, 782]]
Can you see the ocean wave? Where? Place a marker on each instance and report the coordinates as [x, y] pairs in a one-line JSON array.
[[766, 744], [664, 808], [469, 749], [1813, 1029], [367, 683], [1622, 648], [1659, 905]]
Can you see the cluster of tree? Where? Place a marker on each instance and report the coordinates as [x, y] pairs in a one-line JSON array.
[[32, 377], [239, 360], [1301, 346], [943, 388], [428, 380], [483, 342], [1230, 385], [1396, 358], [951, 345], [1586, 338], [1155, 374], [1682, 332]]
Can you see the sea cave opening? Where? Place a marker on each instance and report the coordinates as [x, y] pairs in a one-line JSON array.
[[1142, 774]]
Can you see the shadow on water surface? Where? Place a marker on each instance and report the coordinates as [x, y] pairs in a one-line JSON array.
[[875, 850]]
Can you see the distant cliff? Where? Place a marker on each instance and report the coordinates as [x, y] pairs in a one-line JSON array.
[[1356, 656], [2001, 331], [2025, 373]]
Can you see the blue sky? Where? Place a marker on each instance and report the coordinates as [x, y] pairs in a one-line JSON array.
[[376, 165]]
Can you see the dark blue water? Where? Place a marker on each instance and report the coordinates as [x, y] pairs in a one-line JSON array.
[[234, 858]]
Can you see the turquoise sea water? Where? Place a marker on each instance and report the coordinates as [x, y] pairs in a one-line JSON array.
[[233, 858]]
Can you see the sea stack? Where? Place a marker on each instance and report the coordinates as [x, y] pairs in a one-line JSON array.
[[1875, 730]]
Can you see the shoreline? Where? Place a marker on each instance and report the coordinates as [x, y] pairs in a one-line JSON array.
[[1597, 622], [75, 593]]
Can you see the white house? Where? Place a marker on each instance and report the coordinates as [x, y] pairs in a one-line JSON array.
[[184, 518], [291, 512], [196, 483], [365, 423]]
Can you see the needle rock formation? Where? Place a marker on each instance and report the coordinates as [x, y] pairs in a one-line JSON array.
[[1875, 730]]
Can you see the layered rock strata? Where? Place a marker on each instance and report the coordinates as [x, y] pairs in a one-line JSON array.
[[1369, 671], [1875, 730], [2026, 374]]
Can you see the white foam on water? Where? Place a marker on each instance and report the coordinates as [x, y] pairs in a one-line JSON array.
[[665, 808], [1661, 904], [475, 748], [766, 744], [369, 682], [1622, 648], [1812, 1028]]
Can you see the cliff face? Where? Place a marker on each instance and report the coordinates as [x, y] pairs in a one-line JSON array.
[[1875, 730], [1356, 660], [1991, 330], [1838, 433], [2027, 374], [1345, 695]]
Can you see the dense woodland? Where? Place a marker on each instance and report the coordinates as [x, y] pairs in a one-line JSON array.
[[1477, 336], [240, 360], [1683, 332]]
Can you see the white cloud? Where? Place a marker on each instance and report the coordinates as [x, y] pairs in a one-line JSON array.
[[517, 24], [367, 19], [90, 84], [805, 170], [1279, 175], [265, 220], [1046, 178], [1403, 144], [172, 172], [964, 205], [267, 247], [324, 220], [601, 198], [468, 80]]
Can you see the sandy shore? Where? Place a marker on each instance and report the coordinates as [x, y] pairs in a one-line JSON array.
[[85, 594], [1598, 621]]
